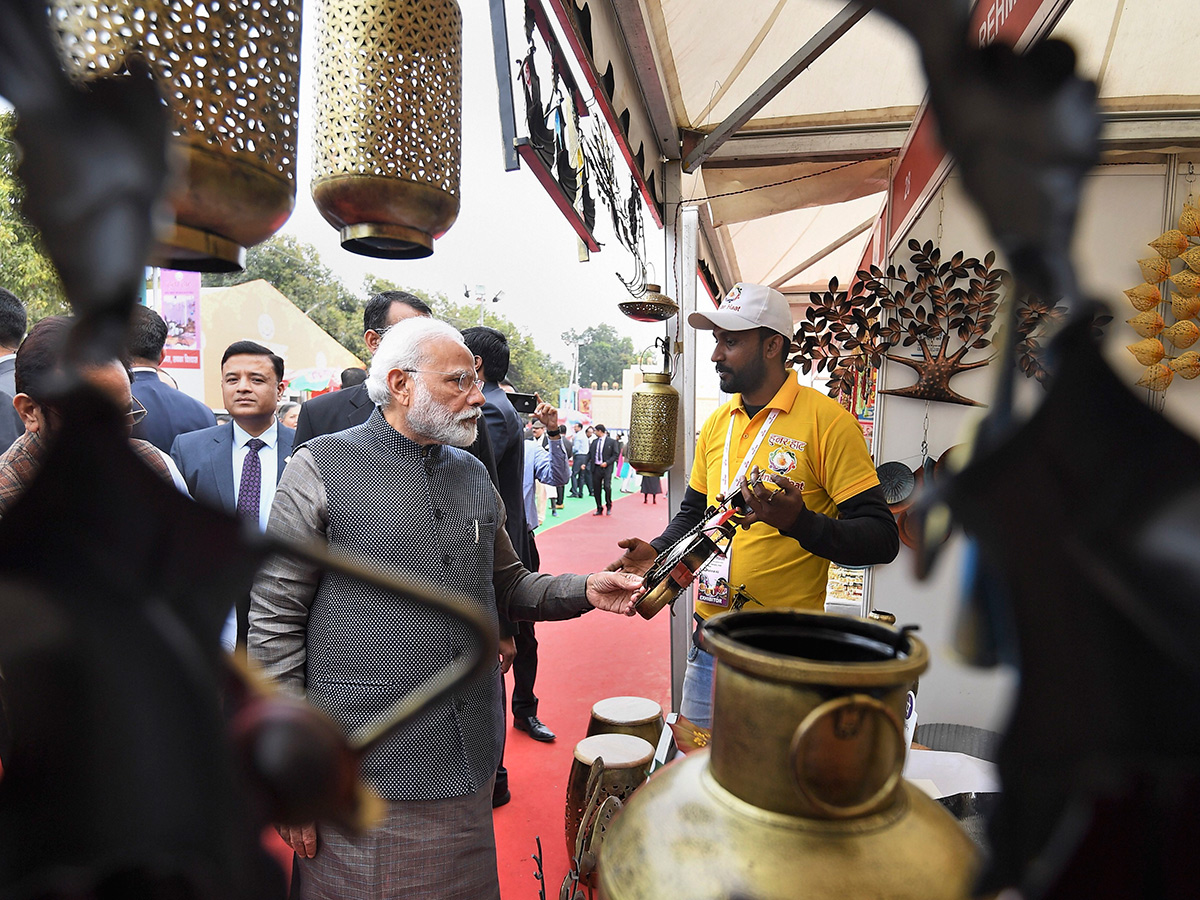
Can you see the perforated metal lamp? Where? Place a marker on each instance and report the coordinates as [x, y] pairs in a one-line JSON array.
[[229, 74], [652, 419], [387, 144]]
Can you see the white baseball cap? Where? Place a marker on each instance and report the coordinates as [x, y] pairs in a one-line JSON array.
[[748, 306]]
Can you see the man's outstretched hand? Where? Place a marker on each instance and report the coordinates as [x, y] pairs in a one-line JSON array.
[[613, 591], [639, 556]]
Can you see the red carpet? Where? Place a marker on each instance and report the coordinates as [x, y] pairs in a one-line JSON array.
[[579, 662]]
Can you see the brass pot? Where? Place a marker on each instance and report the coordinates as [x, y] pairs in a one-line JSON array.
[[652, 419], [799, 794], [229, 76], [387, 141]]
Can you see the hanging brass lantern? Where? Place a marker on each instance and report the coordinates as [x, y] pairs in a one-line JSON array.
[[800, 793], [652, 419], [229, 74], [652, 306], [387, 145]]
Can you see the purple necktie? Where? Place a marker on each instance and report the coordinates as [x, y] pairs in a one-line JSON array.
[[251, 488], [599, 449]]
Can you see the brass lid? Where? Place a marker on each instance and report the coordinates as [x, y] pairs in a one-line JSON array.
[[386, 241], [653, 306]]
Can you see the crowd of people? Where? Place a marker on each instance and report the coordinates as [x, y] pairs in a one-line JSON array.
[[426, 470]]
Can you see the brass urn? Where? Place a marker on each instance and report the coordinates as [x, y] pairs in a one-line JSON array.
[[799, 794], [388, 124], [652, 418], [229, 75]]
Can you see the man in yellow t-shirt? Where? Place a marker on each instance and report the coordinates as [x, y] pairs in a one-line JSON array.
[[824, 502]]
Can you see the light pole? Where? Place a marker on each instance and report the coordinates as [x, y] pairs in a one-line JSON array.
[[481, 297]]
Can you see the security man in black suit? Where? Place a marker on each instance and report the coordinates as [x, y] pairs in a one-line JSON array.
[[339, 410], [602, 458], [169, 411]]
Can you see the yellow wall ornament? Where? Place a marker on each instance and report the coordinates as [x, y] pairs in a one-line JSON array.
[[1181, 287]]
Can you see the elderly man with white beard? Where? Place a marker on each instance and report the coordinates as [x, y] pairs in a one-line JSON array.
[[398, 494]]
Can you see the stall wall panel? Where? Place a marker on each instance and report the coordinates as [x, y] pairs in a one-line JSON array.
[[1122, 210]]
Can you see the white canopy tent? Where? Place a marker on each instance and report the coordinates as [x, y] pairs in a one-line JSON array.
[[774, 137]]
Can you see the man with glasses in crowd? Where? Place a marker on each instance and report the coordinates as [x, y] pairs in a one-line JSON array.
[[38, 362]]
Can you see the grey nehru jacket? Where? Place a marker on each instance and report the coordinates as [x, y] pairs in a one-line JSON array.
[[430, 514]]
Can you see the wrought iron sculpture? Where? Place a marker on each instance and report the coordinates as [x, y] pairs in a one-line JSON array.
[[846, 332], [1086, 761], [123, 781]]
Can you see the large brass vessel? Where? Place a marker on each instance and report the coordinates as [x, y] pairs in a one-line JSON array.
[[800, 793]]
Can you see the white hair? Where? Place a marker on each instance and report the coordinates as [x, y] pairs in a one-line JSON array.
[[403, 347]]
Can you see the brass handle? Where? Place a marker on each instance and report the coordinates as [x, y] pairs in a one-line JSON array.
[[803, 730]]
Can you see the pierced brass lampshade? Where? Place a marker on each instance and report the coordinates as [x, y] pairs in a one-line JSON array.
[[387, 144], [652, 418], [229, 73], [653, 306]]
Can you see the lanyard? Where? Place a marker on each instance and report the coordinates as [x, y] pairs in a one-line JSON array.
[[741, 473]]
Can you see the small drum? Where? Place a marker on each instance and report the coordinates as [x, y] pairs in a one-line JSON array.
[[605, 765], [628, 715]]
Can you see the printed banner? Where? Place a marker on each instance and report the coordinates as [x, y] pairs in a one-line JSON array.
[[181, 312]]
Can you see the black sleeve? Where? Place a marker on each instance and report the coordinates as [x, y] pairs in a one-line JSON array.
[[864, 534], [304, 426], [691, 514]]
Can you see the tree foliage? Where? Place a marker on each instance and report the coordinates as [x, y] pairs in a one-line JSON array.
[[295, 269], [24, 267], [604, 355]]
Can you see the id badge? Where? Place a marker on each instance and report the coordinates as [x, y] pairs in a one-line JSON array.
[[713, 581]]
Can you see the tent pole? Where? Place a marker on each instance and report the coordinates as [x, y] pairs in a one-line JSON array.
[[680, 235]]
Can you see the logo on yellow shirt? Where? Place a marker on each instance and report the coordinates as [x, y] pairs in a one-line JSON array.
[[781, 461], [778, 440]]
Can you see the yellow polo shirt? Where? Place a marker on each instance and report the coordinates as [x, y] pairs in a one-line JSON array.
[[813, 441]]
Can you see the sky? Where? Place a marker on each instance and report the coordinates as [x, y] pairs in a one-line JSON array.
[[508, 237]]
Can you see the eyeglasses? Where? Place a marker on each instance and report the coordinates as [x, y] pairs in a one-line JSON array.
[[136, 413], [465, 379]]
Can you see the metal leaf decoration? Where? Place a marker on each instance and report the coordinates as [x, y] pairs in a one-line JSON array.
[[945, 311]]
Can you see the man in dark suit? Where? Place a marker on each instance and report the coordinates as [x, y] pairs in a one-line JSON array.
[[236, 466], [13, 322], [339, 410], [169, 411], [507, 432], [602, 457]]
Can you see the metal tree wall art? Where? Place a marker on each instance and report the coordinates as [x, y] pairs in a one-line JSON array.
[[946, 311]]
